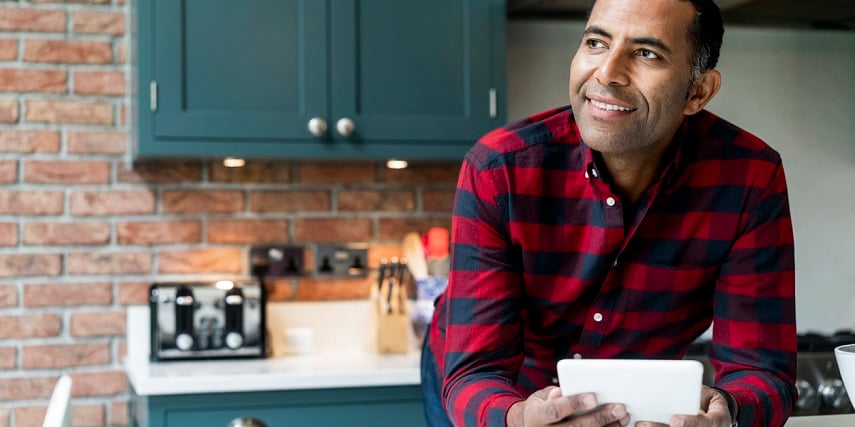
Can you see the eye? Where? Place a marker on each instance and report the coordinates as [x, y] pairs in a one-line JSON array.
[[595, 44], [648, 54]]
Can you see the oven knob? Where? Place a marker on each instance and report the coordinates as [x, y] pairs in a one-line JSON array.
[[184, 342], [808, 398], [234, 340], [834, 394]]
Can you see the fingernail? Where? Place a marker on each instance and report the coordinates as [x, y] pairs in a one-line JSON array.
[[678, 422], [619, 411], [590, 401]]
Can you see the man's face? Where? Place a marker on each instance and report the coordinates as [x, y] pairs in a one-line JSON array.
[[630, 77]]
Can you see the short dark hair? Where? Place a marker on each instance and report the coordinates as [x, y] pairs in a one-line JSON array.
[[705, 35]]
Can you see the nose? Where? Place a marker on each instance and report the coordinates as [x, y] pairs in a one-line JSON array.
[[612, 71]]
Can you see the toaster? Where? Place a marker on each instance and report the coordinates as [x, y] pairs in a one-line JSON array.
[[207, 320]]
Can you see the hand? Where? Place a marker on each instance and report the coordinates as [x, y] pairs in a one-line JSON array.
[[714, 413], [547, 407]]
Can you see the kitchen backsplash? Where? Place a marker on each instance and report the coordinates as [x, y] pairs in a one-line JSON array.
[[83, 232]]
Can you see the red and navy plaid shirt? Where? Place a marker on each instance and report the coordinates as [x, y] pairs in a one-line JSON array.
[[548, 264]]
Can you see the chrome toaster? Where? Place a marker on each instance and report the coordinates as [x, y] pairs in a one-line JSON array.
[[207, 320]]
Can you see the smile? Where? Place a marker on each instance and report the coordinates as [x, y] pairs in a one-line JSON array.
[[608, 107]]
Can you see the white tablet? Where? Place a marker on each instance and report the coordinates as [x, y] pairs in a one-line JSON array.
[[652, 390]]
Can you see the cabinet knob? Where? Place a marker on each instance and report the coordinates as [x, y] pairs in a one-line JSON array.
[[247, 422], [345, 127], [318, 127]]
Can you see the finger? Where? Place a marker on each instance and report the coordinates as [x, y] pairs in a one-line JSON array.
[[554, 393], [605, 415], [554, 410], [689, 421], [649, 424]]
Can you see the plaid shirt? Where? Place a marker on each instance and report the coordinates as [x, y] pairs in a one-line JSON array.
[[546, 264]]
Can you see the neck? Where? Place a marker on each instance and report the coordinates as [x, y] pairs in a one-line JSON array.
[[632, 173]]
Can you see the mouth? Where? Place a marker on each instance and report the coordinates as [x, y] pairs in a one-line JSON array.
[[609, 107]]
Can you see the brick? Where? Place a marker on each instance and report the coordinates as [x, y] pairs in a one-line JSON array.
[[333, 230], [64, 355], [29, 326], [66, 172], [158, 232], [119, 413], [8, 296], [12, 389], [30, 80], [162, 172], [208, 260], [438, 200], [69, 112], [252, 172], [121, 349], [247, 231], [68, 51], [121, 52], [8, 51], [424, 173], [30, 416], [88, 415], [12, 265], [67, 294], [309, 289], [202, 201], [290, 201], [109, 263], [5, 414], [123, 114], [95, 142], [8, 234], [31, 202], [8, 171], [35, 20], [96, 22], [29, 141], [336, 172], [116, 202], [133, 293], [66, 233], [376, 200], [280, 290], [99, 83], [9, 112], [396, 228], [98, 324], [104, 383], [8, 357]]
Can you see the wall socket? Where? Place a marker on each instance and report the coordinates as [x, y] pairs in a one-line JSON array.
[[277, 260], [341, 261]]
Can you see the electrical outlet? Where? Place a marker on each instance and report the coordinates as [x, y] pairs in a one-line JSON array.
[[277, 260], [341, 261]]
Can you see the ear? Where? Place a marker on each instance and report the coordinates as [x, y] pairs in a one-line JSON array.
[[702, 92]]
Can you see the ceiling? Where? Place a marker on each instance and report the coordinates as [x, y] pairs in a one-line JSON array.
[[804, 14]]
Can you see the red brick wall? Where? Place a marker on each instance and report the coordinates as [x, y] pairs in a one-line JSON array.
[[82, 235]]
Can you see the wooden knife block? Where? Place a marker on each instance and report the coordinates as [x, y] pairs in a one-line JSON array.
[[392, 328]]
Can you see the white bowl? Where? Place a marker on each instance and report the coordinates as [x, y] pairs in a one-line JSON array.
[[845, 355]]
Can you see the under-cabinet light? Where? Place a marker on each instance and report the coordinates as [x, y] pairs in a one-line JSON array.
[[234, 162], [396, 164]]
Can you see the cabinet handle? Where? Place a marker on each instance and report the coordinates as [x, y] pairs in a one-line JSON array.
[[247, 422], [318, 127], [345, 127]]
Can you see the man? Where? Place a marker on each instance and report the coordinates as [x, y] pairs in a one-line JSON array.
[[619, 228]]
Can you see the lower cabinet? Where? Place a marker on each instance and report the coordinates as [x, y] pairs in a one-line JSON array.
[[366, 406]]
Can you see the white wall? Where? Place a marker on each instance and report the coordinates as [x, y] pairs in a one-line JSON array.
[[794, 89]]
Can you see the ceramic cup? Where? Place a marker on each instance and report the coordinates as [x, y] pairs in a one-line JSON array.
[[845, 355]]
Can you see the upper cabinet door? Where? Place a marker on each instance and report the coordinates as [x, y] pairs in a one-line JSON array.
[[241, 70], [416, 70]]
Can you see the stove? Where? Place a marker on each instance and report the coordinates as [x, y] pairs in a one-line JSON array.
[[821, 391]]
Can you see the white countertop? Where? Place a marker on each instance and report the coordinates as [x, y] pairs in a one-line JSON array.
[[326, 368], [847, 420]]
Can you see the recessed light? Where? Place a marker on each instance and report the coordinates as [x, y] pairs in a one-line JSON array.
[[234, 162], [396, 164]]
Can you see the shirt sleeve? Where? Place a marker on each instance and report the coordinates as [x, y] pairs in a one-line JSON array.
[[482, 321], [754, 331]]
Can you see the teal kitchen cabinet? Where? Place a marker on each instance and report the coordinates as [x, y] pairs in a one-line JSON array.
[[348, 79], [364, 406]]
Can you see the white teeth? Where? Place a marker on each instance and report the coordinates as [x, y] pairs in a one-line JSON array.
[[609, 107]]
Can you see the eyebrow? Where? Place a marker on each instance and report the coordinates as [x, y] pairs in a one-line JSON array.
[[648, 41]]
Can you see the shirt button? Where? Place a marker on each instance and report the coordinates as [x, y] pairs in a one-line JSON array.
[[610, 201], [598, 317], [577, 356], [587, 176], [594, 173], [614, 263]]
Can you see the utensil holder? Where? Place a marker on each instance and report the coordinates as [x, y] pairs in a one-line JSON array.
[[391, 325]]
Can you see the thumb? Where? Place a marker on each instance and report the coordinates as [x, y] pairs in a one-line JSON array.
[[554, 393]]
